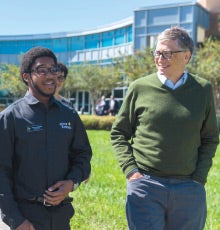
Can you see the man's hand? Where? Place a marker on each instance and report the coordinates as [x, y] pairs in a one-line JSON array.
[[134, 176], [58, 192], [26, 225]]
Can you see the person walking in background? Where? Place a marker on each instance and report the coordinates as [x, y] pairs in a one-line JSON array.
[[101, 107], [61, 77], [165, 136], [113, 106], [46, 152]]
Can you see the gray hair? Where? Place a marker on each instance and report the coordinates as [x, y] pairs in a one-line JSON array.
[[177, 34]]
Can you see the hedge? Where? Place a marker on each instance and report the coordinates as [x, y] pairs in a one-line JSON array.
[[93, 122]]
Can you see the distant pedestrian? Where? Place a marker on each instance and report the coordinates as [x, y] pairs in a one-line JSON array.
[[113, 106], [101, 107]]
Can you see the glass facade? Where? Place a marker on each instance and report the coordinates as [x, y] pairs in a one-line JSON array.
[[149, 22], [96, 45]]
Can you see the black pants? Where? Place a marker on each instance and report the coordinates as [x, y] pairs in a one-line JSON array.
[[47, 218]]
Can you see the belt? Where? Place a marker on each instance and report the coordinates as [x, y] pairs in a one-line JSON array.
[[41, 200]]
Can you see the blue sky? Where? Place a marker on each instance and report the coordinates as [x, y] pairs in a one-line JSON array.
[[19, 17]]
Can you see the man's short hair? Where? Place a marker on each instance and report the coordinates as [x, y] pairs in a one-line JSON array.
[[62, 68], [180, 35], [31, 55]]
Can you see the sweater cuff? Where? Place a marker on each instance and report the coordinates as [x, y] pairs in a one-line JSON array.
[[132, 171]]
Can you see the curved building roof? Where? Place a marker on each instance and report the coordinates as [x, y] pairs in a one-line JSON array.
[[101, 29]]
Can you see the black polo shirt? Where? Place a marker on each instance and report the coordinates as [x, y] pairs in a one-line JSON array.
[[39, 146]]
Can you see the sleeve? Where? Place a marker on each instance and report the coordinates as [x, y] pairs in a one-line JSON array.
[[122, 131], [9, 210], [209, 140], [80, 153]]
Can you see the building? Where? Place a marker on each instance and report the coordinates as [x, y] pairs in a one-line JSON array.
[[101, 45], [213, 6]]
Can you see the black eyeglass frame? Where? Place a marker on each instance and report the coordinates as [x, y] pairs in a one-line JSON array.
[[52, 70], [165, 54]]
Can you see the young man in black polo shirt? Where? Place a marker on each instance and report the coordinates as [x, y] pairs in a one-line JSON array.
[[45, 151]]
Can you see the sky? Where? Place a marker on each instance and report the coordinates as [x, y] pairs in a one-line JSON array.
[[19, 17]]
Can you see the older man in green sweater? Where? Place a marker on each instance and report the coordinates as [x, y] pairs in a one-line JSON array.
[[165, 137]]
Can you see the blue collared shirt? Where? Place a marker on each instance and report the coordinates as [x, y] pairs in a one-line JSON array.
[[165, 81]]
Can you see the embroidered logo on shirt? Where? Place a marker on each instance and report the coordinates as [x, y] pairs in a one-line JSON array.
[[34, 128], [65, 125]]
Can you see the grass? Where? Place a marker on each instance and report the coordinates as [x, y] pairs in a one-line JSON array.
[[100, 204], [213, 194]]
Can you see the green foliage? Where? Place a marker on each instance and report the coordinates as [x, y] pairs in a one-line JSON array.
[[11, 80], [207, 59], [95, 79], [206, 65], [100, 204], [135, 66], [93, 122]]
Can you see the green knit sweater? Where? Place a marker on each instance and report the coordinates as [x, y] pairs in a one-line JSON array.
[[165, 132]]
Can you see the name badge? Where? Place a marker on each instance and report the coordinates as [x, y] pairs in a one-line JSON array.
[[34, 128]]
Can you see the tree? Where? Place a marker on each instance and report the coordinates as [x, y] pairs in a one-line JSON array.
[[11, 80], [135, 66], [94, 79], [206, 64]]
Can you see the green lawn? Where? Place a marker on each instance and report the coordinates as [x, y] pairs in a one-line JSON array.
[[99, 205], [213, 194]]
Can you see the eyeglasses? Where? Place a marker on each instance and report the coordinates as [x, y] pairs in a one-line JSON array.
[[60, 78], [43, 71], [165, 54]]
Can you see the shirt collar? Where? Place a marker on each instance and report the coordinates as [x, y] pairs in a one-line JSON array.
[[165, 81], [31, 100]]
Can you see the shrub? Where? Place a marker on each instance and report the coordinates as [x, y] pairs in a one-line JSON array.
[[93, 122]]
